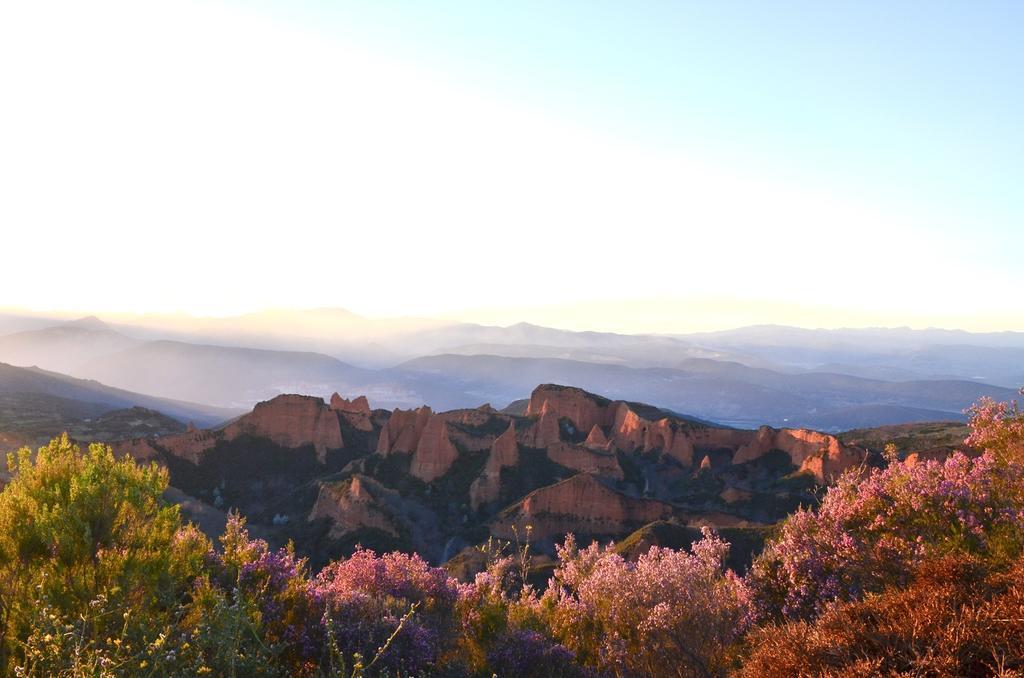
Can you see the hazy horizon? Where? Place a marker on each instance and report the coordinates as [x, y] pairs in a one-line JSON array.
[[681, 168], [553, 317]]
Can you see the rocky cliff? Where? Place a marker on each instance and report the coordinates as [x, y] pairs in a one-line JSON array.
[[289, 421], [443, 481], [583, 504]]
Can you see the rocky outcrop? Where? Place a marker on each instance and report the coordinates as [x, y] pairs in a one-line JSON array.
[[586, 460], [292, 421], [434, 453], [544, 431], [583, 504], [821, 454], [628, 430], [139, 449], [403, 431], [504, 453], [361, 503], [190, 446], [596, 439], [356, 412], [631, 433], [584, 410], [355, 504]]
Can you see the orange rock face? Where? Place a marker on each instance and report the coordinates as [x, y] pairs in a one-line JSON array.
[[596, 439], [288, 420], [352, 505], [543, 432], [581, 408], [356, 412], [292, 421], [629, 431], [139, 449], [403, 431], [429, 439], [191, 446], [434, 453], [582, 504], [586, 460], [504, 453], [819, 453]]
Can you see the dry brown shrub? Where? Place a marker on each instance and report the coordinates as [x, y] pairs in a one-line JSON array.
[[954, 619]]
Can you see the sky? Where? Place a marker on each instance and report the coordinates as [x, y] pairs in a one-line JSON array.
[[656, 166]]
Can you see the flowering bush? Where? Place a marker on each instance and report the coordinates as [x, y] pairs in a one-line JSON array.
[[530, 654], [914, 569], [256, 611], [670, 611], [366, 598], [868, 533], [998, 428]]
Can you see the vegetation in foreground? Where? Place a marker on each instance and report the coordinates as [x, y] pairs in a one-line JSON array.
[[914, 569]]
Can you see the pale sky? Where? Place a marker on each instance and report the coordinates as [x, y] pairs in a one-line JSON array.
[[633, 166]]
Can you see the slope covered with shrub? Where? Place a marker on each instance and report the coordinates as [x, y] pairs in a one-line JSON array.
[[907, 570]]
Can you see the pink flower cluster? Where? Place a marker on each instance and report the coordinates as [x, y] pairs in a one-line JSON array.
[[631, 618], [997, 428], [869, 532], [365, 598]]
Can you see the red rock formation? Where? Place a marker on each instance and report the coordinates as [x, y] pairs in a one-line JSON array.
[[432, 443], [583, 409], [596, 439], [464, 434], [403, 430], [291, 421], [287, 420], [586, 460], [819, 453], [356, 412], [543, 432], [631, 432], [582, 504], [191, 446], [504, 453], [354, 504], [435, 452], [139, 449]]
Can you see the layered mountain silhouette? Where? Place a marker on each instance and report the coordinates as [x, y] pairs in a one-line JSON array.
[[831, 380], [36, 405]]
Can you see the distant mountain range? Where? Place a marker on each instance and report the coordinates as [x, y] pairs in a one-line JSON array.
[[826, 379], [83, 398]]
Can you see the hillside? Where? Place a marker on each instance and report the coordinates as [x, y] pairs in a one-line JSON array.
[[727, 392], [330, 475], [85, 398], [64, 347], [226, 376]]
